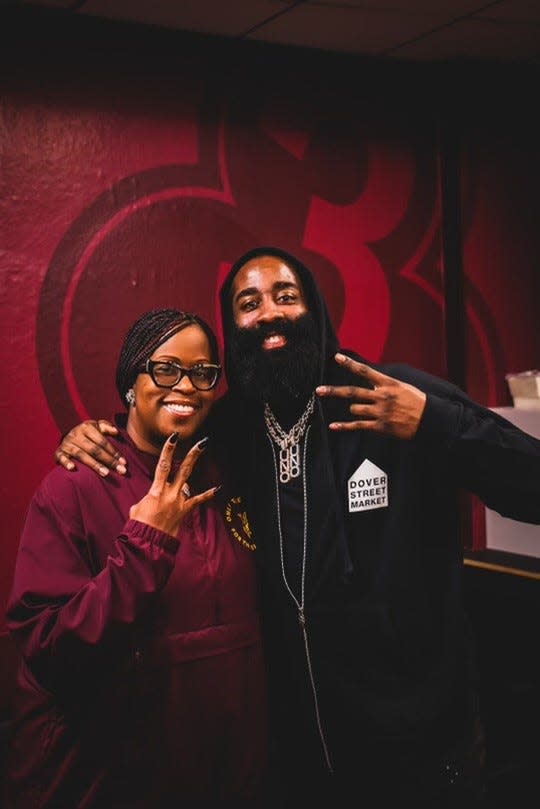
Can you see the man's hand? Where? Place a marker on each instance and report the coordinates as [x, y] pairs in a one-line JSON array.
[[166, 504], [391, 407], [86, 443]]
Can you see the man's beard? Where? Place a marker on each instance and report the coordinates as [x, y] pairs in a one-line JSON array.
[[283, 377]]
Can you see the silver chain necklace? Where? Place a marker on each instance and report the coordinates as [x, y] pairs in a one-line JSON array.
[[288, 443], [300, 603]]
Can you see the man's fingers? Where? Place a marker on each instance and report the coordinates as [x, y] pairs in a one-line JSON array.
[[63, 459], [99, 448], [89, 431], [67, 453], [361, 369], [86, 442], [106, 428], [362, 424], [365, 417], [348, 392]]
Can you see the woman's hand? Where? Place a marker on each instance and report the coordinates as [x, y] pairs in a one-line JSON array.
[[86, 443], [166, 504]]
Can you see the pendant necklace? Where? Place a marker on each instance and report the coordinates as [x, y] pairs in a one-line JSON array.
[[288, 443], [288, 470]]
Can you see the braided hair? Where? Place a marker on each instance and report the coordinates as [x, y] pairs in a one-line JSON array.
[[148, 332]]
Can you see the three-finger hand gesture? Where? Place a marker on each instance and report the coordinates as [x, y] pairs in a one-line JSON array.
[[166, 503], [389, 406]]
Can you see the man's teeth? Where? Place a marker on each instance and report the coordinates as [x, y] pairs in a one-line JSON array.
[[181, 409], [273, 339]]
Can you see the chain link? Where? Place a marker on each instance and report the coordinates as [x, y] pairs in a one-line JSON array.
[[285, 440]]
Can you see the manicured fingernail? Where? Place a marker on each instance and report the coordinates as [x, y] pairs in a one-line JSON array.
[[202, 443], [321, 389], [121, 468], [217, 488], [70, 465], [122, 461], [173, 438], [103, 471], [341, 358]]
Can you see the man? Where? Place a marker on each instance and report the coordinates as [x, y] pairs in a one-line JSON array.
[[350, 475]]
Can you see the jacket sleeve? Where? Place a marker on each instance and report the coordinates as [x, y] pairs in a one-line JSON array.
[[69, 619], [487, 455]]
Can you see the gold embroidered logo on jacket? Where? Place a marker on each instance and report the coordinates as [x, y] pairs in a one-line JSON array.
[[238, 523]]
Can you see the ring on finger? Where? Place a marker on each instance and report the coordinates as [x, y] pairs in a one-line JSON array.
[[186, 491]]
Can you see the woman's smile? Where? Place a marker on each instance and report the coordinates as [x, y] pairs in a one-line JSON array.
[[181, 409]]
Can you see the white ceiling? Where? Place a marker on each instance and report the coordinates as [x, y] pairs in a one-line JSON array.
[[416, 30]]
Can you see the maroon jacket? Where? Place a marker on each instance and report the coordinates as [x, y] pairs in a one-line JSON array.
[[141, 682]]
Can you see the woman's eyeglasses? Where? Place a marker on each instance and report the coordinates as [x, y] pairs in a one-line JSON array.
[[167, 374]]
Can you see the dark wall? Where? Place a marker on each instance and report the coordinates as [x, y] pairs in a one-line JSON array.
[[504, 607]]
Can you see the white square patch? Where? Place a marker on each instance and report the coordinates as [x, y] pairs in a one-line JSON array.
[[367, 488]]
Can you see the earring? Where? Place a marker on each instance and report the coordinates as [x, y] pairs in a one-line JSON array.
[[130, 397]]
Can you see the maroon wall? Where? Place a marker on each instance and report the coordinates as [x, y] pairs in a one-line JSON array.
[[137, 165]]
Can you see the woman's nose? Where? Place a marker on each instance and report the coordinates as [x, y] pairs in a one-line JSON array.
[[185, 384]]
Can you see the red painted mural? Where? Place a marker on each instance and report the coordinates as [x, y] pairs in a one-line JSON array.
[[167, 234], [128, 191]]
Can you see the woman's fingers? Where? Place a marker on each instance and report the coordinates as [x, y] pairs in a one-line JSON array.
[[167, 502], [197, 499], [186, 467], [164, 465], [185, 470]]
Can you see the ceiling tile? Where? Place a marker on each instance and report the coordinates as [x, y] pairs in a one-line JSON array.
[[403, 29], [347, 29], [222, 17], [450, 8], [50, 3], [476, 39], [513, 10]]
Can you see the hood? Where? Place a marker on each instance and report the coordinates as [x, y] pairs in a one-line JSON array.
[[327, 338]]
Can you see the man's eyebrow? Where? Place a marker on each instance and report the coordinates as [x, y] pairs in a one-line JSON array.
[[244, 293], [277, 286], [285, 285]]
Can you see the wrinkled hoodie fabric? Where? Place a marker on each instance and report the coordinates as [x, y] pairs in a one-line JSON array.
[[141, 681], [389, 644]]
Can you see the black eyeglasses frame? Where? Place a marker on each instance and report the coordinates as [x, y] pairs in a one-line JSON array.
[[148, 368]]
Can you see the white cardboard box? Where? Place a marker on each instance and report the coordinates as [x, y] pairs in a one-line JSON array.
[[525, 389], [503, 534]]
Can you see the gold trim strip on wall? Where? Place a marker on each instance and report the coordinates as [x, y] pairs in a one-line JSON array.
[[513, 571]]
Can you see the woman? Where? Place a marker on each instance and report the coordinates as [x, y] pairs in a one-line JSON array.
[[133, 604]]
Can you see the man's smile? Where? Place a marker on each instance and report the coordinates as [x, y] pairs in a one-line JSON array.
[[274, 341]]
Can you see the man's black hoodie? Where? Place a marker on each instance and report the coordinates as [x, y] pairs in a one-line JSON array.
[[389, 646]]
